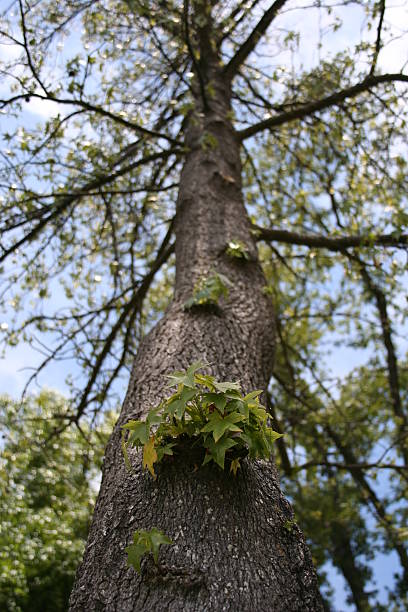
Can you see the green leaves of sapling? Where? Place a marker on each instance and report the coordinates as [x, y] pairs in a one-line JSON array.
[[139, 432], [224, 387], [146, 542], [177, 406], [186, 378], [203, 414], [217, 450], [218, 424], [209, 290]]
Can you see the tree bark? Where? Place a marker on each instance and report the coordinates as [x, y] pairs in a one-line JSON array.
[[235, 544], [344, 558]]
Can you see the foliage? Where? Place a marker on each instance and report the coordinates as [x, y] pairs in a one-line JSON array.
[[47, 493], [209, 290], [146, 542], [204, 414]]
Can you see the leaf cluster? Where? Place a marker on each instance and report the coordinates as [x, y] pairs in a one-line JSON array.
[[211, 416]]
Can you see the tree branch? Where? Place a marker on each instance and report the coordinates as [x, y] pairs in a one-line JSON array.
[[192, 54], [392, 362], [352, 466], [249, 45], [87, 106], [369, 497], [235, 20], [280, 442], [310, 108], [27, 49], [135, 303], [333, 244], [378, 41], [64, 203]]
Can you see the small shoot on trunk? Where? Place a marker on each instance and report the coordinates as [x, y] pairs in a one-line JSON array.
[[145, 542], [238, 250], [209, 290]]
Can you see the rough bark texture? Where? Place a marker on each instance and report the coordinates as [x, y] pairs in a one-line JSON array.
[[236, 547]]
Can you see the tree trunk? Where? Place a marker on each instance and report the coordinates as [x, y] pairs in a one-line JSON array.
[[344, 558], [235, 544]]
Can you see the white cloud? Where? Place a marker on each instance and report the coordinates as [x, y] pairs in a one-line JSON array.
[[42, 108]]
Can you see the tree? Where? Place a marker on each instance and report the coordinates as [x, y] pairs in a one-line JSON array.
[[176, 114], [46, 502]]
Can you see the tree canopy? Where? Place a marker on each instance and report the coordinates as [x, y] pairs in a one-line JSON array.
[[88, 216], [46, 499]]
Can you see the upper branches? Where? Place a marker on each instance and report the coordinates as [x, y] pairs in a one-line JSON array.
[[378, 39], [44, 216], [233, 66], [309, 108], [337, 243]]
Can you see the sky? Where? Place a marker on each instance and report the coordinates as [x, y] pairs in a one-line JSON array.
[[14, 366]]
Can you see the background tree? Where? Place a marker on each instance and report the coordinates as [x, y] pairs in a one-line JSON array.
[[90, 205], [47, 498]]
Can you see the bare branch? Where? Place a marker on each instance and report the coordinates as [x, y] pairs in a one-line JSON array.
[[235, 20], [369, 497], [392, 362], [87, 106], [352, 466], [333, 244], [310, 108], [378, 41], [65, 203], [27, 49], [249, 45]]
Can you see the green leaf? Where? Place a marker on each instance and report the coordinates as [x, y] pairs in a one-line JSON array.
[[240, 406], [124, 451], [216, 419], [217, 450], [164, 450], [218, 399], [218, 425], [208, 290], [235, 465], [257, 444], [135, 553], [177, 405], [227, 386], [157, 538], [139, 432], [145, 542], [238, 249], [258, 412], [252, 395], [185, 378], [205, 380], [154, 417], [272, 435]]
